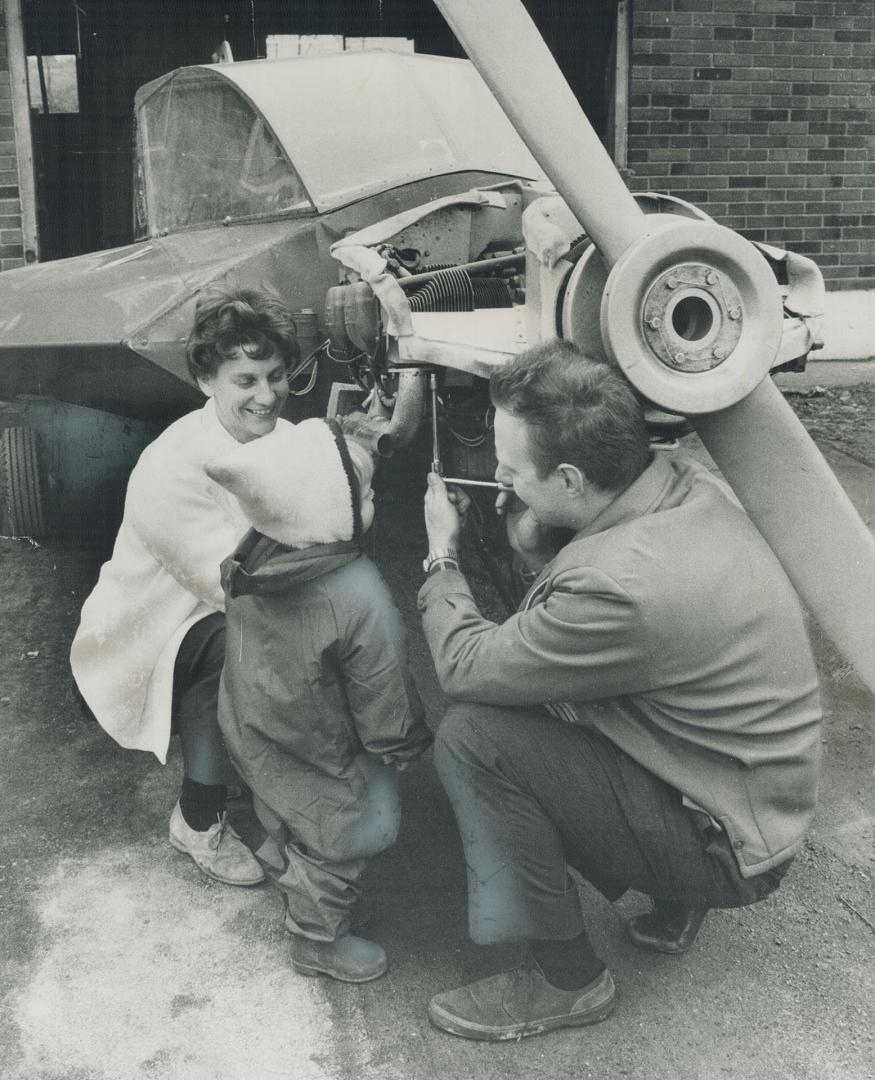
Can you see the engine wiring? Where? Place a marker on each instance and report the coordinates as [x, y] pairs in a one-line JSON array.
[[471, 441], [311, 358]]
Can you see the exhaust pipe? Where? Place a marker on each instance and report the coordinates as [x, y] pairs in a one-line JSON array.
[[381, 434]]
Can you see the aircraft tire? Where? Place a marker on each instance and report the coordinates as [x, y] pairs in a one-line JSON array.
[[20, 484]]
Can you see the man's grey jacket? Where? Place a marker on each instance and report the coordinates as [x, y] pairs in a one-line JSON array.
[[669, 626]]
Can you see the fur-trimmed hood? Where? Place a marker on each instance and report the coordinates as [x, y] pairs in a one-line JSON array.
[[296, 485]]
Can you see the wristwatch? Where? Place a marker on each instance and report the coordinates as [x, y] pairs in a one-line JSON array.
[[446, 558]]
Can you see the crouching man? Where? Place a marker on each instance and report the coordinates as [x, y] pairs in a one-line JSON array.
[[649, 717]]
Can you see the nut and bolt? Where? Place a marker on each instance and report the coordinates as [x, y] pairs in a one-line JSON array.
[[654, 323], [711, 278], [735, 313], [671, 283], [720, 353], [680, 358]]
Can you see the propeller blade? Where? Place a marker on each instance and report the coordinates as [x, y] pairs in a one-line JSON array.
[[796, 502]]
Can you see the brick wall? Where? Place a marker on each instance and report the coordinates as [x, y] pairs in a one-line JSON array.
[[11, 248], [761, 112]]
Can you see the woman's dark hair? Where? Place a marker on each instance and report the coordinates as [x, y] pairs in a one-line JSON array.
[[253, 320], [579, 411]]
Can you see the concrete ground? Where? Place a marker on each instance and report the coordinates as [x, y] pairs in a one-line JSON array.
[[122, 962]]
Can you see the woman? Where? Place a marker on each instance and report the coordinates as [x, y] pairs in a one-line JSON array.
[[151, 641]]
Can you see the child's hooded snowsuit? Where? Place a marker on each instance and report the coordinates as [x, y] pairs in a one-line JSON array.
[[315, 694]]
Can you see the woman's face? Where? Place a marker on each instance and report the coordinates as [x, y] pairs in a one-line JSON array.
[[248, 394]]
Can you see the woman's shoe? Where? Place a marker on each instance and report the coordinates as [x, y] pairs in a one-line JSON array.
[[219, 851]]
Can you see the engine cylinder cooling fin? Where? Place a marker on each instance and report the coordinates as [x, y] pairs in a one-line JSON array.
[[455, 290], [450, 290], [491, 293]]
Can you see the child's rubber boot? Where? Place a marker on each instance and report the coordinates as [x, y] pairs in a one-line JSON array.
[[348, 958]]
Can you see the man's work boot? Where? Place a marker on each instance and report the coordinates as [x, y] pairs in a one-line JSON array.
[[349, 958], [219, 851], [671, 927], [518, 1003]]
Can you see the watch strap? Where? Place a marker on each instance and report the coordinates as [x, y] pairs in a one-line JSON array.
[[441, 555], [441, 564]]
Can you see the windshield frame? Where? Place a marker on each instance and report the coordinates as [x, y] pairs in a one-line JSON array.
[[148, 216]]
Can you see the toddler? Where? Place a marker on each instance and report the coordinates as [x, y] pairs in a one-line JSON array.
[[316, 705]]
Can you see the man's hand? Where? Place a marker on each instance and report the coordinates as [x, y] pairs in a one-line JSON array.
[[536, 544], [445, 512]]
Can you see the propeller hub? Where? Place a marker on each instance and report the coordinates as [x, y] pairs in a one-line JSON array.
[[693, 316], [687, 320]]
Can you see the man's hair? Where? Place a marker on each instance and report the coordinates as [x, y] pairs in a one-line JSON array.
[[253, 320], [579, 411]]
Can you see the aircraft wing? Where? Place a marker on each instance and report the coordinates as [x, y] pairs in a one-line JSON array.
[[107, 329]]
